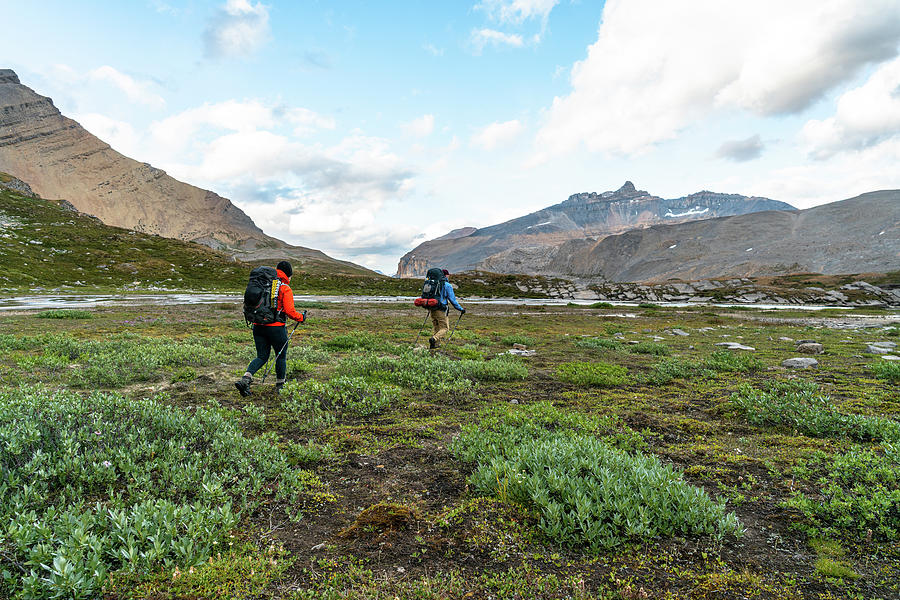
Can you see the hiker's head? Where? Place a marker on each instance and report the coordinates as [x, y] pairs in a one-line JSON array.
[[445, 272], [285, 267]]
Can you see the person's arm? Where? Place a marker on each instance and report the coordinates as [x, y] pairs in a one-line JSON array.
[[287, 303], [451, 297]]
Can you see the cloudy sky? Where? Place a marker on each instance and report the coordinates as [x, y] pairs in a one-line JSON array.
[[363, 128]]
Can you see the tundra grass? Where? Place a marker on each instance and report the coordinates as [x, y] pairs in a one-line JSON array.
[[507, 467]]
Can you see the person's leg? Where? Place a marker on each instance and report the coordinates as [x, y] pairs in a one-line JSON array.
[[441, 326], [261, 338], [278, 339], [261, 341]]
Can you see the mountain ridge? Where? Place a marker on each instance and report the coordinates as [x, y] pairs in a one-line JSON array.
[[855, 235], [525, 243], [58, 158]]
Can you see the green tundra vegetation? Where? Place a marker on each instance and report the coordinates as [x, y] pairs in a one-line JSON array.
[[620, 461], [48, 246]]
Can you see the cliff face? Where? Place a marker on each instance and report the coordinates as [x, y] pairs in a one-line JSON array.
[[60, 159], [538, 242], [858, 235]]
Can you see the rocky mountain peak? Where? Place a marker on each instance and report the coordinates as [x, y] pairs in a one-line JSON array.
[[626, 192], [8, 76]]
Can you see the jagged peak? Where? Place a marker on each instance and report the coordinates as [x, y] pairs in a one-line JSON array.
[[9, 76], [627, 191]]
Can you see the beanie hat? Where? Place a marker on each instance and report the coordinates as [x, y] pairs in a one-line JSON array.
[[445, 271], [285, 267]]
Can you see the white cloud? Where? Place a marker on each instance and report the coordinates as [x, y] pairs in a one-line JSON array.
[[206, 122], [865, 116], [136, 91], [497, 134], [420, 127], [433, 50], [238, 28], [491, 37], [517, 11], [330, 197], [741, 150], [118, 134], [658, 67]]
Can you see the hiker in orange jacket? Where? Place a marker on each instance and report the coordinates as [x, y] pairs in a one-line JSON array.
[[273, 335]]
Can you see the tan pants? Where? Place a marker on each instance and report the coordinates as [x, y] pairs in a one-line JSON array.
[[441, 325]]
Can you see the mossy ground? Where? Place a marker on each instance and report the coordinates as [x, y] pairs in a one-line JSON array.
[[404, 523]]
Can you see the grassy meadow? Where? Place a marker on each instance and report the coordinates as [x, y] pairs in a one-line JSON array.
[[623, 460]]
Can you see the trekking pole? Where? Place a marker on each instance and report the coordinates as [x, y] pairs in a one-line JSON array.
[[454, 326], [427, 314], [268, 364]]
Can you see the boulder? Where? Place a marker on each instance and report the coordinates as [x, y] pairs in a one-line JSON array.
[[680, 332], [891, 345], [800, 362], [890, 357], [519, 352], [735, 346], [810, 348], [873, 349]]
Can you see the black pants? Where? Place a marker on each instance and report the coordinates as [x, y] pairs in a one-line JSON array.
[[266, 338]]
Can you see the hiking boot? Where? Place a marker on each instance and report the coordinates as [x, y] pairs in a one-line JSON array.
[[278, 387], [243, 386], [432, 343]]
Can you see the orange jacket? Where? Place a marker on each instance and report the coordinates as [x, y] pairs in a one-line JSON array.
[[285, 301]]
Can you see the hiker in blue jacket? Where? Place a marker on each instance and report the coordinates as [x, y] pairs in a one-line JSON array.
[[439, 319]]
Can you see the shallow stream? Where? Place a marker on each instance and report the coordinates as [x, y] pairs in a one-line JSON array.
[[34, 302]]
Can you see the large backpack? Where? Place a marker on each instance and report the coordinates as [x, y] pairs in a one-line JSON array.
[[430, 297], [261, 296]]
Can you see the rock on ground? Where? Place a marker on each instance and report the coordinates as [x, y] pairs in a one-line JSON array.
[[800, 362]]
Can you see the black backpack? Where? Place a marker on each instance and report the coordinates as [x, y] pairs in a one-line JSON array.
[[430, 297], [261, 296]]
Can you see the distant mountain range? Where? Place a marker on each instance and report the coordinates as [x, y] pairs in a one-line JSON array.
[[540, 242], [858, 235], [59, 159]]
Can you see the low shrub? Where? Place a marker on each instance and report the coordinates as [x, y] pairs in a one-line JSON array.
[[584, 491], [184, 374], [856, 491], [596, 374], [801, 407], [649, 348], [517, 338], [887, 370], [470, 351], [94, 485], [732, 362], [434, 374], [124, 358], [354, 342], [65, 313], [674, 368], [308, 453], [319, 403], [595, 343]]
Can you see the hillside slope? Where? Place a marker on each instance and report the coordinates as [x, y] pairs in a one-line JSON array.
[[530, 243], [857, 235], [60, 159]]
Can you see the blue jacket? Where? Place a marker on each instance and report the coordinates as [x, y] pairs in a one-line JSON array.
[[448, 297]]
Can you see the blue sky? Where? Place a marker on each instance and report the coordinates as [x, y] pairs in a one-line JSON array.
[[363, 128]]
